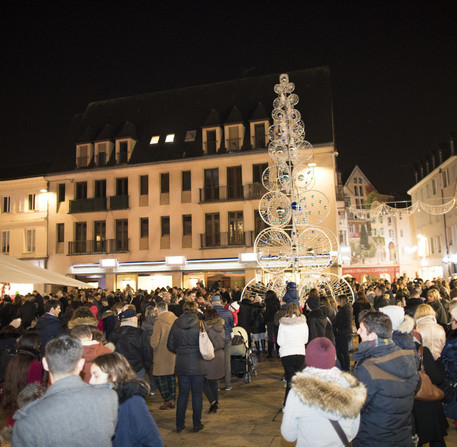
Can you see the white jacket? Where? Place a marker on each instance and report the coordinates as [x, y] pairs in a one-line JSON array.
[[293, 335], [318, 395], [433, 335]]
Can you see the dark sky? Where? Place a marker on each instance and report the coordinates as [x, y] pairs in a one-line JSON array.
[[394, 66]]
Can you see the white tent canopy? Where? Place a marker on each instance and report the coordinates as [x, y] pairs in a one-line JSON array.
[[13, 270]]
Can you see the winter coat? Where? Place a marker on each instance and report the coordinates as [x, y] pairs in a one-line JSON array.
[[245, 314], [216, 333], [319, 325], [292, 335], [291, 295], [391, 379], [135, 426], [271, 307], [227, 316], [357, 307], [110, 320], [343, 321], [28, 313], [258, 323], [85, 415], [48, 327], [91, 351], [380, 301], [133, 343], [184, 341], [329, 311], [433, 335], [411, 306], [318, 395], [429, 418], [86, 321], [449, 355], [148, 325], [164, 359], [441, 317]]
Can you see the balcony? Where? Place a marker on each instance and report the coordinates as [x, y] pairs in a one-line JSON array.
[[227, 240], [98, 247], [82, 162], [87, 205], [119, 202], [233, 144], [232, 192]]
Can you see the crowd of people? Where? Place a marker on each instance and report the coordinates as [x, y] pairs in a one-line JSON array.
[[91, 358]]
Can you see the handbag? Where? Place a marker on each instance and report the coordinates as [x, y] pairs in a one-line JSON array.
[[206, 347], [428, 391]]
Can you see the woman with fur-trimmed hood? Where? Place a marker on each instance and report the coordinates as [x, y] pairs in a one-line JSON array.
[[320, 393]]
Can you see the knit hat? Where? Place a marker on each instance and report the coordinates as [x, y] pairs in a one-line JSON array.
[[395, 313], [313, 302], [291, 285], [128, 313], [215, 299], [320, 353]]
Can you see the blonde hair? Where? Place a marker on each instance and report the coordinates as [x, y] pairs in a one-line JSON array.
[[293, 309], [424, 310], [435, 293]]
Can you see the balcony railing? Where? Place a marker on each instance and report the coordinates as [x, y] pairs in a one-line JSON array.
[[232, 192], [82, 162], [87, 205], [227, 240], [119, 202], [97, 247], [233, 144]]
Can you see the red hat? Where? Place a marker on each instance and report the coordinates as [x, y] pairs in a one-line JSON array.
[[320, 353]]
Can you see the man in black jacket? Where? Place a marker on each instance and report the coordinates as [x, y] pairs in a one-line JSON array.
[[343, 332], [318, 323]]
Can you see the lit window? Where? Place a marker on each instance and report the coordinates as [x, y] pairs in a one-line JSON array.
[[170, 138], [190, 135], [155, 140]]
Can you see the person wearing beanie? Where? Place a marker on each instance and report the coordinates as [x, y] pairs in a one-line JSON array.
[[320, 393], [318, 323]]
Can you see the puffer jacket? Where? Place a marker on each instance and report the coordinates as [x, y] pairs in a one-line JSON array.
[[449, 356], [292, 335], [258, 322], [184, 341], [319, 325], [433, 335], [318, 395], [216, 333], [391, 379], [227, 316]]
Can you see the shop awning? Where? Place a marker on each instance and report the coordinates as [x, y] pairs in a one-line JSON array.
[[13, 270]]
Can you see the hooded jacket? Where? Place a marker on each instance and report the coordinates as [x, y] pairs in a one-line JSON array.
[[164, 359], [216, 334], [390, 376], [433, 335], [292, 335], [184, 341], [318, 395]]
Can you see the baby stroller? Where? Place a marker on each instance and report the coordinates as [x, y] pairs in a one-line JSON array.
[[241, 361]]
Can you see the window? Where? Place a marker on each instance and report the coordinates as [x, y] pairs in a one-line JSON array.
[[211, 184], [82, 159], [81, 190], [234, 183], [101, 154], [361, 191], [380, 219], [235, 227], [144, 185], [5, 241], [30, 240], [259, 223], [391, 234], [165, 226], [381, 232], [144, 227], [187, 225], [61, 192], [389, 220], [343, 237], [100, 189], [257, 171], [190, 136], [123, 151], [170, 138], [211, 142], [375, 232], [356, 190], [155, 140], [233, 140], [6, 205], [60, 232], [122, 186], [186, 181], [433, 186], [347, 202], [164, 183], [122, 235], [100, 236], [445, 178], [259, 135], [355, 179], [32, 202], [212, 230]]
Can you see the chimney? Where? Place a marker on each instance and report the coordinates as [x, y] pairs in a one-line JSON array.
[[438, 155], [431, 157], [427, 167]]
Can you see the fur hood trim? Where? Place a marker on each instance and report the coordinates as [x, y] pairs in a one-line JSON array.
[[87, 321], [407, 326], [292, 320], [218, 321], [334, 392]]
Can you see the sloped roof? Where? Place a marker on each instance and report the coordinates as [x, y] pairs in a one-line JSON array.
[[259, 113], [234, 116], [107, 133]]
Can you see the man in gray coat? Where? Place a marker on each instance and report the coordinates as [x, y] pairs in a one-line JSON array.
[[71, 413]]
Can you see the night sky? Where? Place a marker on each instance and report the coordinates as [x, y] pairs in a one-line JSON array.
[[393, 63]]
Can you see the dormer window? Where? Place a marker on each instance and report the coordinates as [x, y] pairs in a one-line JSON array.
[[124, 150], [170, 138], [103, 153], [259, 134], [83, 155], [155, 140], [211, 140], [234, 137]]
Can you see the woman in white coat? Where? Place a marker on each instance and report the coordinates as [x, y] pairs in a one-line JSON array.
[[292, 337], [433, 335], [322, 393]]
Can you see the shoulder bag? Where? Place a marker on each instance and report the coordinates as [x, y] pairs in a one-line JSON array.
[[206, 347], [427, 391]]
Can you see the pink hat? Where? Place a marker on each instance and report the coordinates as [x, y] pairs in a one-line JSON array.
[[320, 353]]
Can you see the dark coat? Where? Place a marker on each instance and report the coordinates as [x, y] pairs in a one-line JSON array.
[[227, 316], [291, 295], [135, 426], [110, 321], [216, 334], [391, 383], [133, 344], [28, 313], [429, 418], [319, 325], [357, 307], [271, 307], [380, 301], [184, 341], [449, 356], [258, 323], [440, 312], [343, 321], [411, 306], [245, 314], [48, 327]]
